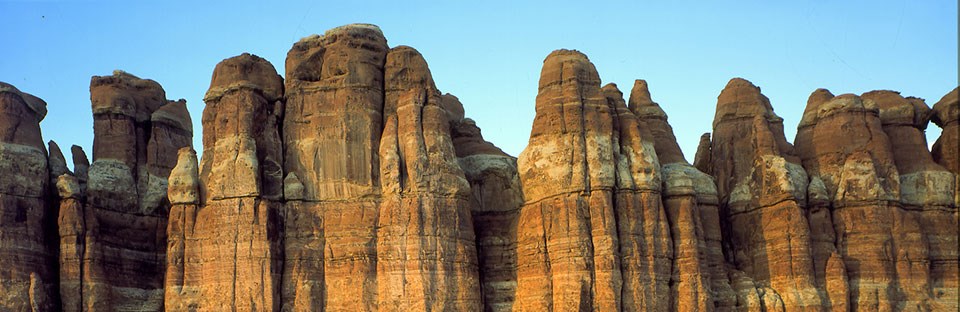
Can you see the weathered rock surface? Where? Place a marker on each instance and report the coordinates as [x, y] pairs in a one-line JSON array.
[[495, 206], [699, 280], [355, 185], [763, 192], [224, 234], [946, 115], [927, 195], [113, 224], [945, 276], [893, 208], [331, 146], [592, 232], [381, 216], [27, 259]]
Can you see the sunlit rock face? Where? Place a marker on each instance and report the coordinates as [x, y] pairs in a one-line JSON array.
[[223, 236], [763, 194], [592, 231], [699, 280], [383, 219], [354, 184]]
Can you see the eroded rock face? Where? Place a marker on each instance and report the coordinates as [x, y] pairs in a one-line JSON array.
[[927, 195], [384, 210], [355, 185], [495, 206], [27, 260], [699, 279], [946, 115], [892, 207], [114, 235], [763, 192], [336, 260], [592, 231], [224, 235]]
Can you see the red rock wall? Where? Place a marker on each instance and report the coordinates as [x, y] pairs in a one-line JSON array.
[[354, 184]]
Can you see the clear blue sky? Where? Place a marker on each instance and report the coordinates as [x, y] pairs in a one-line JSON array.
[[489, 54]]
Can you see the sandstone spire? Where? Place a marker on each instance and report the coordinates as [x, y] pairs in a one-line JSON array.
[[762, 190], [591, 232], [28, 279]]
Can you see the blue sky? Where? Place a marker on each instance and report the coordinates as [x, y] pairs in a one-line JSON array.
[[489, 53]]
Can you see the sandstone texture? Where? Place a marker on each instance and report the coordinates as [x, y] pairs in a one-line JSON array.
[[27, 258], [495, 206], [112, 224], [592, 232], [354, 184], [762, 189]]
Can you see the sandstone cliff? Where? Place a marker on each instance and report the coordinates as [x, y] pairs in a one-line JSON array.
[[354, 184]]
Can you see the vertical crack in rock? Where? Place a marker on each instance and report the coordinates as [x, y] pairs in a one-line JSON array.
[[495, 206]]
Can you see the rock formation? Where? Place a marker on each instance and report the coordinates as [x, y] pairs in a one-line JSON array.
[[946, 114], [495, 206], [384, 208], [354, 184], [592, 231], [224, 235], [927, 197], [893, 207], [690, 198], [27, 259], [112, 214]]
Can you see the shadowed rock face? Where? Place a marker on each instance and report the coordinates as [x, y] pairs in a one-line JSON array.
[[111, 213], [927, 195], [893, 207], [495, 206], [946, 115], [356, 185], [27, 259]]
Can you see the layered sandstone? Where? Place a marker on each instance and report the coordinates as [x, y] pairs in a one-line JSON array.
[[592, 232], [224, 232], [699, 280], [355, 185], [892, 206], [112, 220], [27, 258], [495, 206], [927, 195], [383, 217], [763, 192]]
